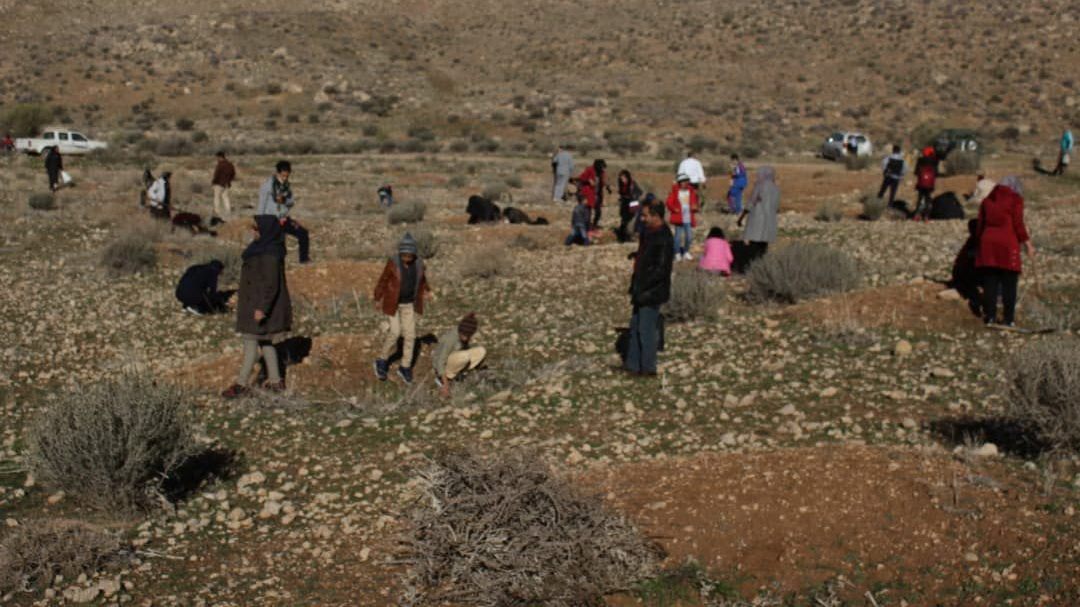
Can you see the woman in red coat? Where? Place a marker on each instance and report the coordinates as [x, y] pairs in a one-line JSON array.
[[683, 206], [1001, 231], [591, 183]]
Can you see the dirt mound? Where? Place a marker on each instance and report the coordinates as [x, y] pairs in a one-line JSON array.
[[335, 278], [911, 306], [796, 518]]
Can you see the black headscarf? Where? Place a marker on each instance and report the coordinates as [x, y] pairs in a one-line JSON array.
[[271, 239]]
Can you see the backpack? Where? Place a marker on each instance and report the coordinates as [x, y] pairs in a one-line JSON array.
[[894, 167], [926, 177]]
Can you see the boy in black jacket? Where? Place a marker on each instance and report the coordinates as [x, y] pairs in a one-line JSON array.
[[650, 288]]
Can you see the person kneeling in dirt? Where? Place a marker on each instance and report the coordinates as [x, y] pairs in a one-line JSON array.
[[400, 295], [579, 223], [965, 276], [263, 309], [197, 290], [455, 356], [160, 197]]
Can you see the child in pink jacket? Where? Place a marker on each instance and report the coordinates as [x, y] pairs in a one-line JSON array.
[[717, 257]]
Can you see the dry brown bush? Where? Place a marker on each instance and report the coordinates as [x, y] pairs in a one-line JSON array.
[[486, 262], [132, 252], [505, 531], [111, 446], [35, 552], [695, 295], [1044, 381], [801, 271], [406, 212]]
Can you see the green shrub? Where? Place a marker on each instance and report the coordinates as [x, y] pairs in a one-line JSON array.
[[513, 181], [695, 295], [1044, 395], [112, 445], [872, 207], [829, 211], [801, 271], [962, 163], [26, 119], [42, 201], [406, 212], [131, 253], [184, 124]]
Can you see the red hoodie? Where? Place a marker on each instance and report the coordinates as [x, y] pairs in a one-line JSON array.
[[675, 209]]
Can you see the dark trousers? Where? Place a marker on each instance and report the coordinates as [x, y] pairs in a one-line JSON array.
[[1003, 284], [890, 184], [745, 254], [54, 179], [596, 213], [926, 197], [210, 303], [301, 235], [625, 217], [644, 339]]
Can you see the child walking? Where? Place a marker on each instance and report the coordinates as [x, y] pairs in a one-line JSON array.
[[717, 257], [683, 206], [400, 295]]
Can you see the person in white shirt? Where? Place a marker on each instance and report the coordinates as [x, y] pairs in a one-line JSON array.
[[691, 167]]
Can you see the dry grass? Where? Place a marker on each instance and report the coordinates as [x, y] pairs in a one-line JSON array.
[[505, 531], [872, 207], [486, 262], [111, 446], [42, 201], [35, 552], [695, 295], [829, 211], [406, 212], [132, 253], [801, 271], [1044, 394]]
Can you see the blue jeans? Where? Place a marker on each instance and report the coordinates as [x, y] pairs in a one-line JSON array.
[[684, 237], [578, 233], [644, 340], [735, 199]]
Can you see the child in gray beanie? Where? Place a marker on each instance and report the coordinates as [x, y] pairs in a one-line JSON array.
[[400, 295]]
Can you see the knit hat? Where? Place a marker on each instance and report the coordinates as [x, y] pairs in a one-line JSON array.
[[407, 244], [468, 325]]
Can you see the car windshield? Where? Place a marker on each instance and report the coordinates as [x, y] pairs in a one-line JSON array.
[[836, 137]]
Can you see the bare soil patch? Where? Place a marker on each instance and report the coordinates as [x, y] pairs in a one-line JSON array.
[[925, 528], [910, 306]]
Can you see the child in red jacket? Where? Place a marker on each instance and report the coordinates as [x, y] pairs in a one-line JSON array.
[[683, 206]]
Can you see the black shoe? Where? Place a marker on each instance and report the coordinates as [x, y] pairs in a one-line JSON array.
[[405, 373], [382, 369]]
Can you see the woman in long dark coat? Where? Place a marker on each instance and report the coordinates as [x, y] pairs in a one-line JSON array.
[[264, 309]]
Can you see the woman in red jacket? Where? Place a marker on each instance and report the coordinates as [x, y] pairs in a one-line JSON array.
[[1001, 231], [683, 206], [591, 183]]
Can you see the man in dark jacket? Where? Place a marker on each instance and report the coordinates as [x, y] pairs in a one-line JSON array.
[[197, 290], [650, 288], [54, 165], [224, 173], [263, 309]]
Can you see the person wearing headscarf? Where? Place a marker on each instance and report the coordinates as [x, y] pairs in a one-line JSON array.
[[455, 354], [562, 167], [591, 183], [1065, 148], [54, 165], [629, 195], [160, 196], [683, 206], [400, 295], [1000, 232], [264, 308], [760, 216], [738, 184]]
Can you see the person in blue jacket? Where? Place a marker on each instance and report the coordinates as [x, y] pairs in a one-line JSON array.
[[738, 184]]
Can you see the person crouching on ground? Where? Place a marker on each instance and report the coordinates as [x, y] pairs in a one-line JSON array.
[[650, 288], [197, 290], [683, 206], [400, 295], [579, 223], [455, 355], [717, 257], [965, 276], [264, 309]]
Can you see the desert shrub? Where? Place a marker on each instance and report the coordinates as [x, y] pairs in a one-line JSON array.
[[853, 162], [409, 211], [495, 190], [801, 271], [42, 201], [35, 552], [513, 181], [427, 244], [111, 446], [25, 119], [962, 163], [829, 211], [486, 262], [1044, 382], [526, 242], [457, 181], [873, 207], [695, 295], [174, 146], [131, 253], [552, 544], [184, 124]]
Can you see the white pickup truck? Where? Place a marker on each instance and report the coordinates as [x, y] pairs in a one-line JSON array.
[[70, 142]]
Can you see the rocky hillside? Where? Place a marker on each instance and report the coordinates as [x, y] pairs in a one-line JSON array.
[[631, 76]]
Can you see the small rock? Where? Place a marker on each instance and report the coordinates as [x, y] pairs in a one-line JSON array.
[[949, 295], [902, 348], [910, 423], [986, 450], [829, 392], [55, 498], [237, 514], [251, 478], [942, 372], [971, 557], [788, 410]]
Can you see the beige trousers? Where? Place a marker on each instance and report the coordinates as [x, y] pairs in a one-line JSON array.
[[402, 324], [464, 360], [222, 204]]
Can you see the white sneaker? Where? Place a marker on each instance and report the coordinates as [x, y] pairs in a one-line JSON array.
[[688, 257], [191, 310]]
